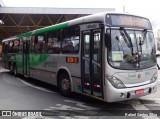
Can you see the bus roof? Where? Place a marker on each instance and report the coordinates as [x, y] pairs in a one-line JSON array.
[[86, 19]]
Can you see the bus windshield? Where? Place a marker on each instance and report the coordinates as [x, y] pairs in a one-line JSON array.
[[133, 49]]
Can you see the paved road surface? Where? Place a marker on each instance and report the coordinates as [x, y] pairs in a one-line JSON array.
[[17, 93]]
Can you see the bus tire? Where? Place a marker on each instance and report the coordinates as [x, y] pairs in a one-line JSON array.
[[15, 70], [64, 84]]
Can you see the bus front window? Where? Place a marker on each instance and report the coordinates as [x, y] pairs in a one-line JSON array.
[[135, 51]]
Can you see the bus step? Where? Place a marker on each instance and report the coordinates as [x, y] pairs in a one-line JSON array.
[[26, 76]]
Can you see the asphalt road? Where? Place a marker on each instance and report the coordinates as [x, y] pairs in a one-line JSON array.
[[18, 93]]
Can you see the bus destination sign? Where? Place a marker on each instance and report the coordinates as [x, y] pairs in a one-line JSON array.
[[129, 21]]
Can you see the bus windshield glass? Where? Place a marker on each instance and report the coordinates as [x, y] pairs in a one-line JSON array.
[[132, 49]]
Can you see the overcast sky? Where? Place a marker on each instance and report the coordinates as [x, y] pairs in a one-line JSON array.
[[146, 8]]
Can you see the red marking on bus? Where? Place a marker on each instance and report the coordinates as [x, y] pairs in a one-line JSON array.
[[140, 91]]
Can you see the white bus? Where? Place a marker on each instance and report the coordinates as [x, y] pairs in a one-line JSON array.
[[107, 56]]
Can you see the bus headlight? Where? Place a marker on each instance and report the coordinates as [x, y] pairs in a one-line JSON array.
[[154, 78], [116, 82]]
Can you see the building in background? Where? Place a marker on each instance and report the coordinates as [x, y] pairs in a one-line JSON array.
[[18, 20]]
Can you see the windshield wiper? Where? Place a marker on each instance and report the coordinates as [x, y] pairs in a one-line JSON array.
[[126, 37]]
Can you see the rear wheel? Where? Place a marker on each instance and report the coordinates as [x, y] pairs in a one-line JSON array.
[[64, 84]]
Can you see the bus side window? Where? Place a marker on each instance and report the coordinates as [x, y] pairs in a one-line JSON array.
[[54, 44], [10, 47], [32, 44], [40, 43], [16, 46], [70, 43]]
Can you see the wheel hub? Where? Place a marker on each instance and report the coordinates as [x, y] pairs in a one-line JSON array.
[[65, 84]]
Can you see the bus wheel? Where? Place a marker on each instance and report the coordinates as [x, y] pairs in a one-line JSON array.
[[15, 70], [64, 84]]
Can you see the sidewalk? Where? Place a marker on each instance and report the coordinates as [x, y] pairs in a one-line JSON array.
[[3, 69]]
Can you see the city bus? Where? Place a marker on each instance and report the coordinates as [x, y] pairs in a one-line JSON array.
[[107, 56]]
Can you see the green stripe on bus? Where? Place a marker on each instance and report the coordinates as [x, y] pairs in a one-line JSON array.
[[37, 59], [54, 27], [42, 30], [24, 34], [34, 59]]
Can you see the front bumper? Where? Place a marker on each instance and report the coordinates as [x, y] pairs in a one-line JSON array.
[[113, 94]]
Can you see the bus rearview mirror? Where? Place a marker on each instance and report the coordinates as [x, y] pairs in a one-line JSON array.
[[108, 40]]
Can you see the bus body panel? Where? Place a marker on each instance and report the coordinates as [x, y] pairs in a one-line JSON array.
[[128, 93], [132, 78], [19, 63], [135, 78], [45, 67]]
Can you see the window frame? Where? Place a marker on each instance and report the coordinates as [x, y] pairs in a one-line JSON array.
[[71, 35], [59, 39], [39, 44]]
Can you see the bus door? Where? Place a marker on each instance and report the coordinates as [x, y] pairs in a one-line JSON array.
[[26, 58], [92, 63]]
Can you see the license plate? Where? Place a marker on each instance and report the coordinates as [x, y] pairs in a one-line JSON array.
[[140, 91]]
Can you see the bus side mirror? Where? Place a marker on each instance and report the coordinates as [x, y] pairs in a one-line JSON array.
[[108, 40], [108, 37], [157, 55]]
